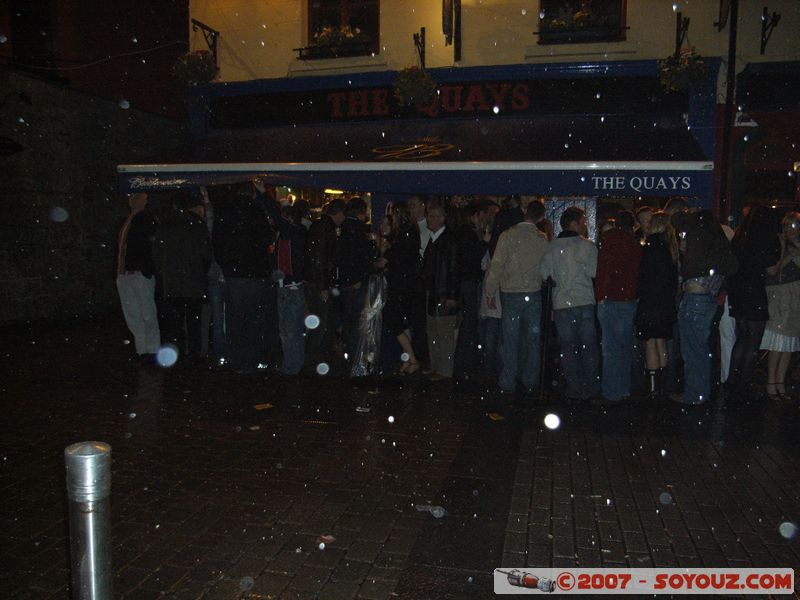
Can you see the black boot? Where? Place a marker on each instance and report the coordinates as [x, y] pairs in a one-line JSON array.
[[660, 393], [653, 382]]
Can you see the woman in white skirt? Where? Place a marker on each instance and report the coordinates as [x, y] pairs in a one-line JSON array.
[[782, 333]]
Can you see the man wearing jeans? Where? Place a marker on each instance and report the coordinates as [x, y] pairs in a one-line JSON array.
[[706, 259], [616, 286], [242, 238], [571, 261], [515, 273]]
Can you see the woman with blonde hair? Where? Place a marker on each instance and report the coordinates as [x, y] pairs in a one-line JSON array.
[[782, 332], [657, 313]]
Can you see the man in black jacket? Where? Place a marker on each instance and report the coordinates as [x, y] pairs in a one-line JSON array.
[[442, 272], [288, 263], [242, 238], [356, 253], [473, 242], [135, 282], [182, 256], [321, 280]]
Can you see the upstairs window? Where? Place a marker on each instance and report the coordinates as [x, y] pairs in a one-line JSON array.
[[581, 21], [343, 28]]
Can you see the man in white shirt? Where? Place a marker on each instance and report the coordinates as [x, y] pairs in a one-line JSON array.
[[416, 204], [514, 272]]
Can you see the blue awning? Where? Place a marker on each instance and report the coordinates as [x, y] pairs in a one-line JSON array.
[[575, 155]]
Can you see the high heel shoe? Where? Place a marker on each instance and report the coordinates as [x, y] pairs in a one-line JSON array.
[[782, 395], [775, 394]]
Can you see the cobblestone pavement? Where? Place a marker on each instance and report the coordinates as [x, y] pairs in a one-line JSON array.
[[225, 485]]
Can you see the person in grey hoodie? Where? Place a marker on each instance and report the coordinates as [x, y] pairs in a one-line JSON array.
[[571, 262]]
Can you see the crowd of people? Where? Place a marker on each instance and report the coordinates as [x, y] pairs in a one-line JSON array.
[[469, 292]]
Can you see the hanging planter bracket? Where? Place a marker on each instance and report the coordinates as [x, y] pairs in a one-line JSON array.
[[681, 29], [210, 35], [419, 44], [768, 24]]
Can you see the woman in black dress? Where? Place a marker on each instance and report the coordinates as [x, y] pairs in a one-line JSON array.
[[657, 312], [404, 278], [756, 247]]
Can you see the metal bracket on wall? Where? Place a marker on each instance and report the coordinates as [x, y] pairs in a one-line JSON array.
[[210, 35], [419, 44], [681, 29], [768, 23]]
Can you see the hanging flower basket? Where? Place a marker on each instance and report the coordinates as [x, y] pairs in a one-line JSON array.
[[678, 75], [338, 36], [195, 67], [414, 86]]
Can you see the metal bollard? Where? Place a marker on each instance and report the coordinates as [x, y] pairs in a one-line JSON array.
[[89, 492]]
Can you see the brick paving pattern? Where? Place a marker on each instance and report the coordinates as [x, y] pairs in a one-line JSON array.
[[213, 498]]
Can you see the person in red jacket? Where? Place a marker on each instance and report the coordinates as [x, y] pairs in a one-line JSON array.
[[616, 291]]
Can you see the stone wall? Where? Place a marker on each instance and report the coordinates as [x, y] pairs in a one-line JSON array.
[[59, 209]]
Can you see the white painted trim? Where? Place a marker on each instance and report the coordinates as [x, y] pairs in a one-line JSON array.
[[333, 167]]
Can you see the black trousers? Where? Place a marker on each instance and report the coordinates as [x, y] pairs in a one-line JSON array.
[[183, 327]]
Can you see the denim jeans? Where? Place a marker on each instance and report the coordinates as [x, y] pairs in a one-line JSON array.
[[522, 316], [291, 324], [491, 339], [695, 315], [616, 324], [246, 319], [577, 340]]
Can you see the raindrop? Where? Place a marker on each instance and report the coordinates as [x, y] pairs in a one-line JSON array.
[[3, 39], [665, 498], [390, 419], [474, 492], [496, 110], [541, 14], [663, 452], [404, 356], [788, 530], [58, 214], [132, 415], [246, 583], [312, 321], [674, 6], [323, 368], [124, 104], [167, 356], [322, 545], [552, 421]]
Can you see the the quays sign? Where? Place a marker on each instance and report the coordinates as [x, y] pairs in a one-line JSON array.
[[642, 183], [609, 96]]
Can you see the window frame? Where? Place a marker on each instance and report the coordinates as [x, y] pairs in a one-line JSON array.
[[614, 32], [370, 46]]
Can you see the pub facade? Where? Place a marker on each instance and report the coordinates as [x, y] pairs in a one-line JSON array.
[[567, 99]]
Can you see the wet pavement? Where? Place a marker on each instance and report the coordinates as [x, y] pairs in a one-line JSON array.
[[233, 486]]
